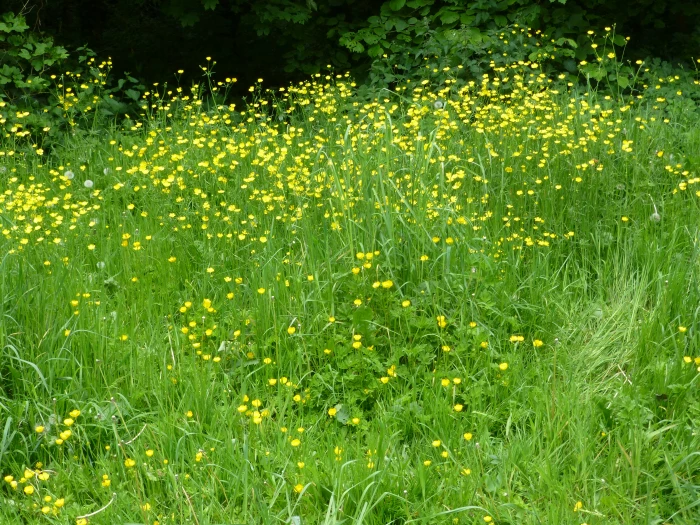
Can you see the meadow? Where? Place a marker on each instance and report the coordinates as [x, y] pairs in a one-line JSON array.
[[447, 303]]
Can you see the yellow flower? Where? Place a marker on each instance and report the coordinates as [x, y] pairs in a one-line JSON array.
[[332, 412], [29, 490], [261, 291], [387, 284], [39, 429], [503, 366], [682, 329], [291, 330], [406, 303], [468, 436], [295, 442], [298, 488], [74, 413], [488, 519], [578, 506], [437, 443], [458, 408], [128, 463], [537, 343], [59, 503]]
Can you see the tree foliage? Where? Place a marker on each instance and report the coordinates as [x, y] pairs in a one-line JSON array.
[[281, 39]]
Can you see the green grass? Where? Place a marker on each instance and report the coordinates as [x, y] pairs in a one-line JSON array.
[[381, 280]]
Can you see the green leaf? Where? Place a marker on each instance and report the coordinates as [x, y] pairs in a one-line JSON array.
[[619, 40], [342, 414], [493, 481], [362, 316], [189, 19], [449, 17], [132, 94], [40, 48], [150, 475], [466, 19], [415, 4], [395, 5]]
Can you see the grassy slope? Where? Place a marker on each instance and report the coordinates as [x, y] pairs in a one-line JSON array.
[[493, 224]]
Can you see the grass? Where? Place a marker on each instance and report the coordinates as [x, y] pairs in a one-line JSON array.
[[448, 304]]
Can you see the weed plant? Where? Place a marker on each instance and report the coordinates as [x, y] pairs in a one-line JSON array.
[[470, 302]]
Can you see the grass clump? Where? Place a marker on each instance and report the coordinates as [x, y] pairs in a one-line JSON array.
[[455, 303]]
